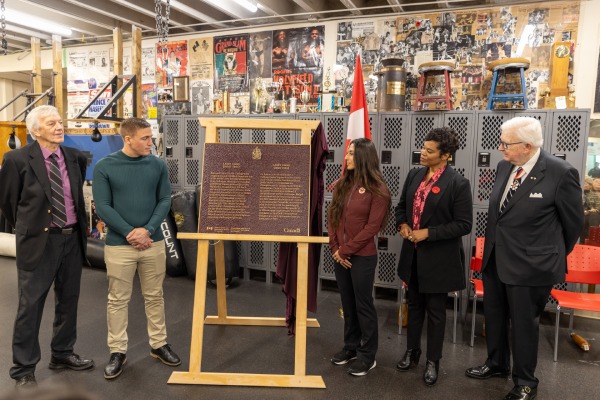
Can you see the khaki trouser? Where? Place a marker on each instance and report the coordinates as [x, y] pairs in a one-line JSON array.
[[121, 264]]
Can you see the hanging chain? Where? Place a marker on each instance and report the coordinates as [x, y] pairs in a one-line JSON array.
[[162, 25], [4, 45]]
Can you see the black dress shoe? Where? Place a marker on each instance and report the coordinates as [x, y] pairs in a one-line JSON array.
[[27, 381], [166, 355], [521, 393], [115, 365], [72, 361], [485, 372], [410, 360], [431, 372]]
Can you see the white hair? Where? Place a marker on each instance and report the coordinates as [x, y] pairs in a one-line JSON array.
[[33, 118], [526, 129]]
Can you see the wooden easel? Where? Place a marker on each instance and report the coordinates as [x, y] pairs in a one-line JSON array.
[[195, 374]]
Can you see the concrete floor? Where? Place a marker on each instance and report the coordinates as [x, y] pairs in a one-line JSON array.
[[270, 350]]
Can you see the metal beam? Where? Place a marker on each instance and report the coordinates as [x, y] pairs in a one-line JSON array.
[[176, 19], [17, 46], [27, 32], [206, 15], [60, 7], [352, 5], [58, 17], [312, 5], [114, 11], [275, 8], [232, 9], [13, 37], [397, 3]]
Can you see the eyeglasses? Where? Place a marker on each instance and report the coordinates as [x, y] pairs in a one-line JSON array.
[[505, 146]]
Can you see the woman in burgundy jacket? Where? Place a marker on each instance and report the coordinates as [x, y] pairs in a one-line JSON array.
[[358, 211]]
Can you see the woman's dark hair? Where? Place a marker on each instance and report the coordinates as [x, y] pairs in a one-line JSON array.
[[366, 174], [445, 138]]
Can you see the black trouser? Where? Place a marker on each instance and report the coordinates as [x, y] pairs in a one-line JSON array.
[[360, 317], [434, 304], [61, 264], [522, 306]]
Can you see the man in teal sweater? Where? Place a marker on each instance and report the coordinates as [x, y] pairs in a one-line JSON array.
[[132, 194]]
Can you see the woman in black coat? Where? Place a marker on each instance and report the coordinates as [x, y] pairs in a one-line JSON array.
[[433, 214]]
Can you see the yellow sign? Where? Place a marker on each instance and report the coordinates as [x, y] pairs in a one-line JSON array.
[[396, 87]]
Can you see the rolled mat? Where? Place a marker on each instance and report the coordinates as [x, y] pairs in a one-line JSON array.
[[8, 245], [95, 253]]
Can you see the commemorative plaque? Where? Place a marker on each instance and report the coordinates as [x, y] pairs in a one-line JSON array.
[[255, 189]]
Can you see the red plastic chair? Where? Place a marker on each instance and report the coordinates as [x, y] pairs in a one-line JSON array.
[[477, 283], [584, 267]]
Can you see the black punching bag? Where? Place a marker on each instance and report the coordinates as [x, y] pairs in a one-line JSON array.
[[183, 207], [232, 265], [95, 253], [175, 263]]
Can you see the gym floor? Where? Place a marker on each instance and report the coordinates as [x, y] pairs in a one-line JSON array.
[[271, 350]]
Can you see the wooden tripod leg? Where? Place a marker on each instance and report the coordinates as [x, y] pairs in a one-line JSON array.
[[301, 305], [220, 272], [199, 307]]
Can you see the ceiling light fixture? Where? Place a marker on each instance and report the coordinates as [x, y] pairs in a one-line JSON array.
[[250, 5], [36, 23]]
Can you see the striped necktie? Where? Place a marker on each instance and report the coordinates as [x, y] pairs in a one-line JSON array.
[[513, 188], [59, 213]]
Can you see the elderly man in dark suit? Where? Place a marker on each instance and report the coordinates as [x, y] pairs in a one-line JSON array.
[[535, 217], [42, 198]]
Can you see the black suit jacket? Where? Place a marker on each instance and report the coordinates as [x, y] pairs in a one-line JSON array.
[[25, 199], [448, 215], [540, 225]]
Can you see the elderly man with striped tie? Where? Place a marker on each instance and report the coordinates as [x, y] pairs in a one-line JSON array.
[[535, 217], [42, 198]]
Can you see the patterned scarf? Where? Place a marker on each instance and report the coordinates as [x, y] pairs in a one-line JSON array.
[[421, 195]]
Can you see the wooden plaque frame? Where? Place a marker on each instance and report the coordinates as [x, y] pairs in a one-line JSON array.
[[195, 374]]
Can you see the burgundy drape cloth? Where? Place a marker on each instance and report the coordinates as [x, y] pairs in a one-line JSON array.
[[287, 258]]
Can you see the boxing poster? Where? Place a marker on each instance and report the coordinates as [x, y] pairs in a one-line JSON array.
[[170, 62], [297, 60], [148, 57], [201, 58], [231, 72]]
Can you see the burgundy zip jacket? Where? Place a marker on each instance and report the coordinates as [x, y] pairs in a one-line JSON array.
[[360, 221]]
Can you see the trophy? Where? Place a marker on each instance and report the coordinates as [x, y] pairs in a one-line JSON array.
[[259, 88], [283, 105], [327, 83], [226, 99], [304, 95], [293, 100], [304, 98], [217, 104], [272, 89], [341, 96]]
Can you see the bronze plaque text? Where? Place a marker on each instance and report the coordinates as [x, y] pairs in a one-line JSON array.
[[258, 189]]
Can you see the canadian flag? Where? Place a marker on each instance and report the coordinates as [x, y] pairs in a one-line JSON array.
[[358, 122]]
